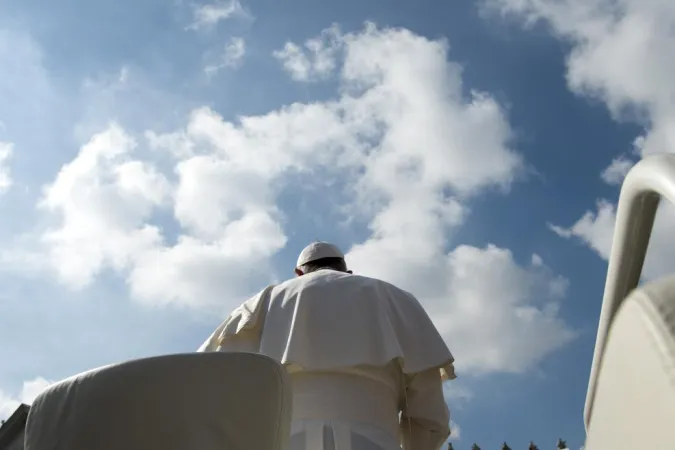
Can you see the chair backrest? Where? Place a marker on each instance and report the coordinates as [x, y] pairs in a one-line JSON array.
[[631, 392], [634, 403], [205, 401]]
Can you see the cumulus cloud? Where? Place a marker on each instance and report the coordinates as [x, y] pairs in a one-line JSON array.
[[495, 314], [208, 15], [29, 390], [6, 150], [621, 54], [103, 202], [412, 150], [102, 199], [231, 56]]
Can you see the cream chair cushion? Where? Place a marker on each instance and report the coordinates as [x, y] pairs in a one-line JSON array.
[[634, 404], [199, 401]]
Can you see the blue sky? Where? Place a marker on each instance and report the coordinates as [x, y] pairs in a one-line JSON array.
[[164, 160]]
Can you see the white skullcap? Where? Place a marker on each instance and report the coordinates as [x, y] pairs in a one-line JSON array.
[[318, 250]]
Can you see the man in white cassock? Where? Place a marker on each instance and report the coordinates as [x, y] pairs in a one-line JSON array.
[[365, 360]]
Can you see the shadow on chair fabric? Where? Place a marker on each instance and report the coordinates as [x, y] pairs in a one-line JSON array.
[[205, 401], [635, 396]]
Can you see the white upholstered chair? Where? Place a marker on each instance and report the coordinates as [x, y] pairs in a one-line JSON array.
[[631, 396], [198, 401]]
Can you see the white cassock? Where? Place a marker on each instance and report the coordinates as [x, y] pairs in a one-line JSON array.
[[359, 350]]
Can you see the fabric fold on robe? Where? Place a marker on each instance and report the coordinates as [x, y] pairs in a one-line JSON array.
[[389, 325]]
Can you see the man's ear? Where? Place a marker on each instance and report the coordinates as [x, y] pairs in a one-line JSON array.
[[298, 272]]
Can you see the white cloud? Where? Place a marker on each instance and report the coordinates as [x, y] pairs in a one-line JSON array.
[[103, 202], [617, 170], [231, 56], [29, 390], [102, 199], [317, 60], [596, 230], [413, 150], [6, 150], [505, 316], [455, 431], [622, 54], [208, 15]]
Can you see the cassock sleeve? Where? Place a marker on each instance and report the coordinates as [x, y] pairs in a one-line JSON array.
[[425, 417], [241, 331], [248, 341]]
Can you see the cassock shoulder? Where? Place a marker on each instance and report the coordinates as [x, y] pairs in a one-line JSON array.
[[392, 290]]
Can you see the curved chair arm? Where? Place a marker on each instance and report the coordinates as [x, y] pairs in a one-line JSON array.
[[648, 181]]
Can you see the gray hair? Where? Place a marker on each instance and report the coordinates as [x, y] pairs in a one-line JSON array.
[[338, 264]]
